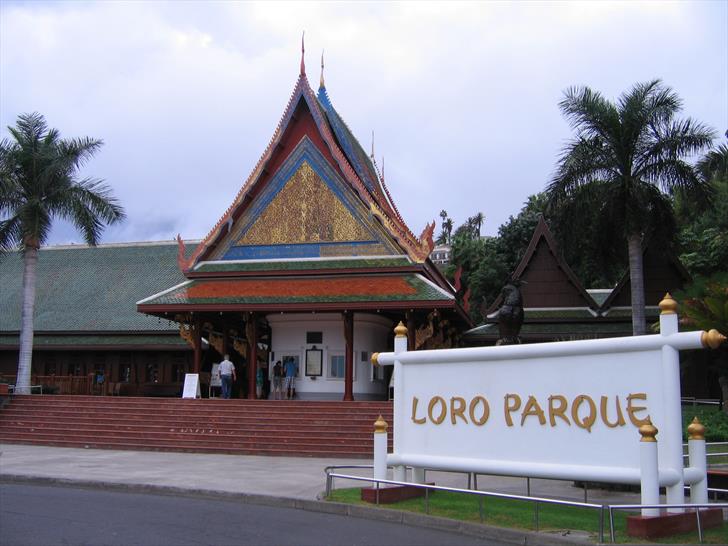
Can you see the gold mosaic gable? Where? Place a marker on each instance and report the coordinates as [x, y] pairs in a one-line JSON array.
[[305, 211]]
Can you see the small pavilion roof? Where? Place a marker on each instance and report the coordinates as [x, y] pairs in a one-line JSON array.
[[328, 292], [550, 282]]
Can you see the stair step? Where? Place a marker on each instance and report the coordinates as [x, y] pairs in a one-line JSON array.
[[298, 428]]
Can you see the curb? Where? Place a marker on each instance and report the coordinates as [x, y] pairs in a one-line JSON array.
[[501, 534]]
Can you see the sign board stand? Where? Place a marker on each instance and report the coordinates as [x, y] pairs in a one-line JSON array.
[[215, 379], [584, 428], [192, 386]]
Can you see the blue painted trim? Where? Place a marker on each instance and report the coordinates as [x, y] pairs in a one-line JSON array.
[[305, 250], [307, 152]]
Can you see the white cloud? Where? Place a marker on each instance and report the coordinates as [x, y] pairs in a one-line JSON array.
[[462, 96]]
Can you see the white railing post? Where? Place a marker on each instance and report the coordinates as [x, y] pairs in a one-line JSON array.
[[649, 479], [698, 461], [400, 346], [671, 449], [380, 449]]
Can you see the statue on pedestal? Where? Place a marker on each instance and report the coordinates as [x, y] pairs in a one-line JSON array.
[[510, 314]]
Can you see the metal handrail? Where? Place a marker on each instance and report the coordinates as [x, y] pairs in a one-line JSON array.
[[697, 508], [427, 487], [536, 500]]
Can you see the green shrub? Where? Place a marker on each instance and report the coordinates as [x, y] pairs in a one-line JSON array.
[[712, 418]]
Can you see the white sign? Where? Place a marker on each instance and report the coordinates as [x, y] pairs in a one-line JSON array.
[[566, 410], [215, 380], [192, 386]]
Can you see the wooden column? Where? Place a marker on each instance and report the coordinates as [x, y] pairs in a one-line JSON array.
[[197, 340], [251, 333], [349, 356], [411, 331]]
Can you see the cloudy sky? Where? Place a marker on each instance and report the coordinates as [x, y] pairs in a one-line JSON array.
[[462, 97]]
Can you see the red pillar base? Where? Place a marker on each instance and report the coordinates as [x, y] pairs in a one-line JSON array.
[[668, 524], [389, 494]]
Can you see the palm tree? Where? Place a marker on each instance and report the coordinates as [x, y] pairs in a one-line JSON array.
[[624, 156], [478, 220], [38, 183], [447, 229]]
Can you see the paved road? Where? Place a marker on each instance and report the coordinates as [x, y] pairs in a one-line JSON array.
[[47, 515]]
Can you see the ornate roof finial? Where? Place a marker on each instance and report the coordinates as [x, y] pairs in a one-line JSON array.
[[321, 83], [382, 167], [372, 155], [303, 50]]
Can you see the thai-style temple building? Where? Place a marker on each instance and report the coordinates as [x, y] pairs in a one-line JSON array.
[[313, 263], [557, 307]]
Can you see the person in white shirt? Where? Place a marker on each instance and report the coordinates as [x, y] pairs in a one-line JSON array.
[[227, 376]]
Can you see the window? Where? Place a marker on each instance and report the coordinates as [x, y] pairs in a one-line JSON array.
[[337, 366], [314, 337]]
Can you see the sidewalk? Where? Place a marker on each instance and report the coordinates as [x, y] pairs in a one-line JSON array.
[[284, 477]]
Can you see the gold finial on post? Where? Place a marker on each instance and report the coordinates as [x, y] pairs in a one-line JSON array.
[[696, 430], [712, 339], [648, 431], [400, 330], [375, 359], [668, 306], [380, 425]]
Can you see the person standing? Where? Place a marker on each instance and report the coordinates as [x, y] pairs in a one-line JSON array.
[[277, 381], [259, 382], [291, 373], [227, 376]]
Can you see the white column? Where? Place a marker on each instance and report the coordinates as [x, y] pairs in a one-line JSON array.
[[671, 451], [380, 449], [649, 478], [698, 461], [400, 346], [418, 475]]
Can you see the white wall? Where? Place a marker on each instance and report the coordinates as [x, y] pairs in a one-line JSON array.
[[288, 337]]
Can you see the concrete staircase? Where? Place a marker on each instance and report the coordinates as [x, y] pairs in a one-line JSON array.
[[253, 427]]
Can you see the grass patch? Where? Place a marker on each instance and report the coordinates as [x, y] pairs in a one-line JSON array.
[[521, 515]]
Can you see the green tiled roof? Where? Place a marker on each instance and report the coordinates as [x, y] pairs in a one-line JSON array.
[[301, 265], [597, 328], [90, 289], [531, 314], [81, 341]]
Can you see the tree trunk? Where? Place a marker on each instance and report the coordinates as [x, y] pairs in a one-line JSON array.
[[637, 284], [22, 383]]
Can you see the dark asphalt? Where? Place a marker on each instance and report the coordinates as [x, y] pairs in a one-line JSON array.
[[47, 515]]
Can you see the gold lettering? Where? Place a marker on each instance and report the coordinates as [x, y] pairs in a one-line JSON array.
[[508, 408], [486, 410], [559, 411], [443, 409], [532, 408], [588, 421], [457, 411], [421, 420], [603, 407], [631, 410]]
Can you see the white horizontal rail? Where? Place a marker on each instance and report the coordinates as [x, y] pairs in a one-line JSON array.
[[679, 341], [531, 470]]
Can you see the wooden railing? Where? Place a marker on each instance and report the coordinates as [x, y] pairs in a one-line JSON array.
[[66, 384]]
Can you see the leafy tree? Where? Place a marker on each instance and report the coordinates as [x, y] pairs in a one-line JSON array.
[[38, 183], [704, 307], [622, 160], [704, 227]]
